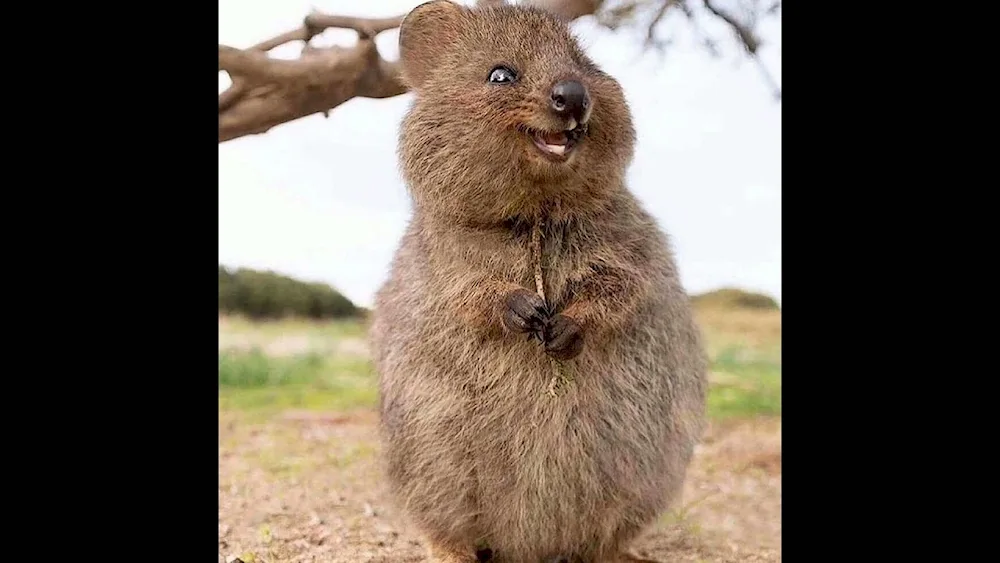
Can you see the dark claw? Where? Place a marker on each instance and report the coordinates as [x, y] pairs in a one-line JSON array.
[[563, 338], [525, 312]]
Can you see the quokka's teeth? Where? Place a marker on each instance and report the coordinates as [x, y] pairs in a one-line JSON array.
[[572, 124], [556, 149]]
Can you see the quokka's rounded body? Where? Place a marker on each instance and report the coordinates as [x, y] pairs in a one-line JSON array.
[[479, 450]]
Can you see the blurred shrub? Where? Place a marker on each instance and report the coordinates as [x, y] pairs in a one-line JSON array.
[[729, 298], [268, 295]]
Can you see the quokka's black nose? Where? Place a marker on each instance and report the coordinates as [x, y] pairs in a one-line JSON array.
[[571, 99]]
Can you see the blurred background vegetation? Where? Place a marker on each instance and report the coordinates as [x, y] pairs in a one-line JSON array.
[[263, 295], [286, 343]]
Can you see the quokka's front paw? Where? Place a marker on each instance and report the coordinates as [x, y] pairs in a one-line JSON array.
[[525, 312], [563, 338]]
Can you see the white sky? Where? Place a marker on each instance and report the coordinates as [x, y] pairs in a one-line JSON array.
[[322, 200]]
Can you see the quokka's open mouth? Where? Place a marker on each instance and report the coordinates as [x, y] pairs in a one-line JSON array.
[[557, 145]]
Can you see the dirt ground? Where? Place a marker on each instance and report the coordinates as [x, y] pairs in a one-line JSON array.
[[304, 488]]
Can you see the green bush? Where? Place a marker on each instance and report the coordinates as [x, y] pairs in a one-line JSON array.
[[268, 295], [729, 298]]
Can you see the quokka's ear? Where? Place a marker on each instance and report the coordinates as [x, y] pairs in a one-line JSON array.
[[425, 35]]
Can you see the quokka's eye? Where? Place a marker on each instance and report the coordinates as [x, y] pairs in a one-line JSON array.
[[502, 75]]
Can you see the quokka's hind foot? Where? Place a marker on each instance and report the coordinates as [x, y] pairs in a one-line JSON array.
[[632, 557], [437, 553], [623, 557]]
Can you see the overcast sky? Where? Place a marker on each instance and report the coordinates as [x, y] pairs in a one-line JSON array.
[[322, 200]]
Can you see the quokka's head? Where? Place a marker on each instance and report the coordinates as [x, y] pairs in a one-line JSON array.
[[509, 115]]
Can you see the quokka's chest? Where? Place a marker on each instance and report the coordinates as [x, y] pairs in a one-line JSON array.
[[552, 257]]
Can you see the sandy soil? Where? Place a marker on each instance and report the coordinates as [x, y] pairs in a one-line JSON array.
[[303, 488]]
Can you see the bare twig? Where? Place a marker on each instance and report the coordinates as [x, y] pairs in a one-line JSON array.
[[750, 42], [766, 74], [560, 375], [626, 12], [366, 27], [708, 42], [616, 16], [746, 35], [657, 17]]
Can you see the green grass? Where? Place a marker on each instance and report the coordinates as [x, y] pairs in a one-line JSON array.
[[745, 382], [254, 381], [334, 329]]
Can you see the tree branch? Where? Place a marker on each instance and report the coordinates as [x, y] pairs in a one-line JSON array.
[[749, 40], [284, 91], [657, 18], [367, 28], [626, 11], [745, 34], [568, 10], [707, 41], [238, 87], [267, 92]]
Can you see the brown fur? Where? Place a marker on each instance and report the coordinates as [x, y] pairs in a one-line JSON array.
[[477, 453]]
